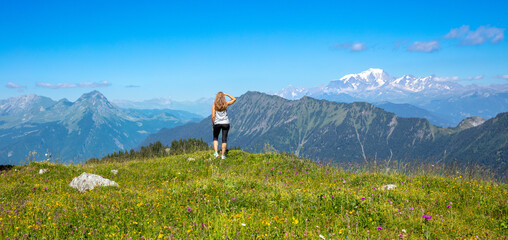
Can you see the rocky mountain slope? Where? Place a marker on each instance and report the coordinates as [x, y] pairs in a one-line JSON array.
[[75, 131], [331, 131], [313, 128]]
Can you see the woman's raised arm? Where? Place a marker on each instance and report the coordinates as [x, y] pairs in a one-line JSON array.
[[233, 99]]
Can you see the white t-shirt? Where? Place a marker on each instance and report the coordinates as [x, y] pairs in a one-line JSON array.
[[221, 117]]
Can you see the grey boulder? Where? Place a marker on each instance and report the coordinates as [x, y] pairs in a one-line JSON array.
[[88, 181]]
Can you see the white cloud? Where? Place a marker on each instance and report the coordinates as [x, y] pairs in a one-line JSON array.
[[73, 85], [446, 79], [354, 47], [481, 35], [357, 47], [505, 77], [458, 32], [456, 78], [13, 85], [474, 78], [94, 85], [427, 47], [56, 86], [132, 86]]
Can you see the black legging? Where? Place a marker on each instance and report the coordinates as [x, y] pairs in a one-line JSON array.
[[216, 131]]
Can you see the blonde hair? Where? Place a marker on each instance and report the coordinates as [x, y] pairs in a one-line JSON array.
[[220, 102]]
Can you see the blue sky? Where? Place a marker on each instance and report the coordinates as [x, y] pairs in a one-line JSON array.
[[192, 49]]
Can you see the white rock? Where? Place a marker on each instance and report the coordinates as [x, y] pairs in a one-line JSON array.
[[389, 187], [88, 181], [114, 171], [190, 159], [43, 170]]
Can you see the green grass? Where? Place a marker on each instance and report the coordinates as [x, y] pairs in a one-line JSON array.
[[247, 196]]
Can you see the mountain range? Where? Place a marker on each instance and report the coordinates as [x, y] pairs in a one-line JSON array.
[[76, 131], [200, 106], [329, 131], [448, 101]]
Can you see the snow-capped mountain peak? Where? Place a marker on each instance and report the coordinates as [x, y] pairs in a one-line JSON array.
[[371, 79], [375, 84], [375, 74]]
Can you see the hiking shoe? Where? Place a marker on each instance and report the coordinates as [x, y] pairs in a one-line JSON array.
[[223, 157], [215, 154]]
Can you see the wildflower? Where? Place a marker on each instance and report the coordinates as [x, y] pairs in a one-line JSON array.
[[404, 230], [189, 209], [379, 228], [34, 188], [321, 236], [243, 224], [234, 199], [400, 235], [427, 217], [448, 206], [374, 188], [332, 197], [363, 198]]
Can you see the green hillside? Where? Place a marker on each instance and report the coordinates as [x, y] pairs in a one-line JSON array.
[[312, 128], [247, 196]]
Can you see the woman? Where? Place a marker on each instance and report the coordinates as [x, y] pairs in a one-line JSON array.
[[220, 121]]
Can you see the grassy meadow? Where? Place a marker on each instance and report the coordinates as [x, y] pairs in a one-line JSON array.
[[247, 196]]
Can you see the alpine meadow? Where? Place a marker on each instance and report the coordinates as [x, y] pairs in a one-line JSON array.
[[250, 196]]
